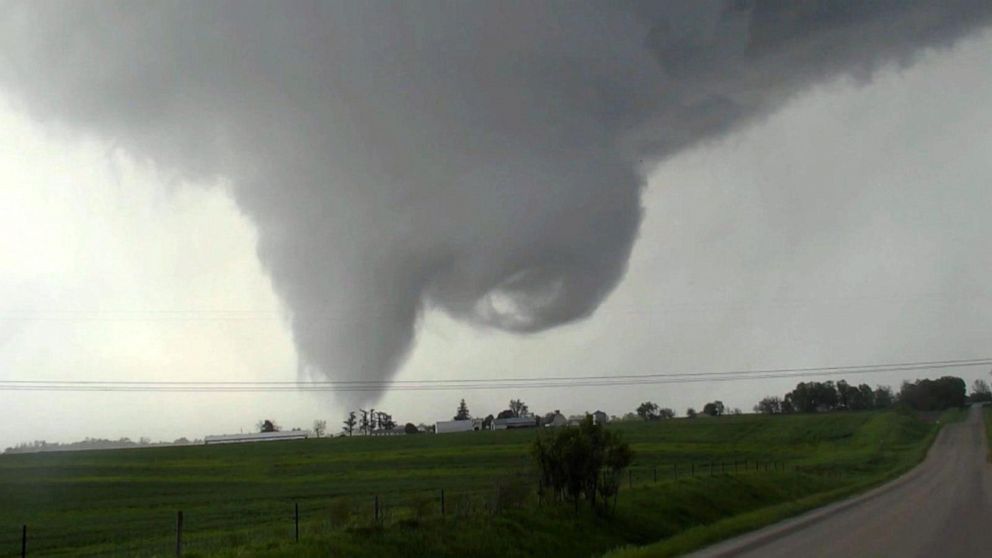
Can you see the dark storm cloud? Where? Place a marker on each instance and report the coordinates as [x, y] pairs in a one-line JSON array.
[[484, 158]]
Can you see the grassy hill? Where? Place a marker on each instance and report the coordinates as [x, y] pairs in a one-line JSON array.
[[238, 500]]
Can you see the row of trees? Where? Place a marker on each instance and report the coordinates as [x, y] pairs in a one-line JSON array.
[[934, 395], [368, 422], [922, 395], [651, 411], [809, 397]]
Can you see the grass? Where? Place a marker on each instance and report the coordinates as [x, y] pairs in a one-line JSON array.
[[238, 500], [704, 535]]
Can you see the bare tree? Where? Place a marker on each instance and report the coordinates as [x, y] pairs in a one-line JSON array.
[[385, 421], [519, 408], [980, 391], [319, 427], [363, 425], [349, 423]]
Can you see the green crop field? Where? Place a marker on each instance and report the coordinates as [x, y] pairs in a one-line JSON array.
[[698, 479]]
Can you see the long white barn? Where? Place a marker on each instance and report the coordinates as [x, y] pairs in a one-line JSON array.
[[256, 437]]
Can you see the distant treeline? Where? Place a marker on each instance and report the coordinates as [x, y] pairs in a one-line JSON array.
[[921, 395], [94, 444]]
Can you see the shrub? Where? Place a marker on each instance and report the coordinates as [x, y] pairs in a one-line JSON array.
[[584, 462]]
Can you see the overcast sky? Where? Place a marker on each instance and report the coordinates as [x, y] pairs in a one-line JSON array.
[[846, 224]]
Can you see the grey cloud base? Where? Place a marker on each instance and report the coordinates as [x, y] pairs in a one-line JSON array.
[[481, 158]]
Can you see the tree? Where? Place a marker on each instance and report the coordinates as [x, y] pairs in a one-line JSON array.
[[810, 397], [980, 391], [519, 408], [505, 414], [770, 405], [934, 395], [267, 425], [714, 408], [862, 399], [690, 413], [844, 394], [411, 428], [883, 397], [648, 410], [666, 413], [584, 462], [349, 423], [385, 421], [364, 424], [462, 413], [487, 423], [319, 427]]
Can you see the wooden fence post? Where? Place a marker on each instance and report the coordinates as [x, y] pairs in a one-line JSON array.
[[442, 502], [24, 541], [179, 533], [296, 519], [375, 507], [630, 478]]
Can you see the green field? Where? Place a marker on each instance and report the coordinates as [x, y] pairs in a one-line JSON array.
[[239, 500]]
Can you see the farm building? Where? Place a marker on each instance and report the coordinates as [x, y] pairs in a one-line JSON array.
[[556, 419], [599, 417], [395, 431], [448, 426], [256, 437], [514, 422]]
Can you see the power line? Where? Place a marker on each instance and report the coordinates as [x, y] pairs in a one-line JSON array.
[[472, 384], [894, 365]]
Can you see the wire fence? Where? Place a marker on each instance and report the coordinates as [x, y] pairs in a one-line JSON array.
[[202, 530]]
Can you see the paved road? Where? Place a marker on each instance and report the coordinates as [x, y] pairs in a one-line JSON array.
[[942, 508]]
